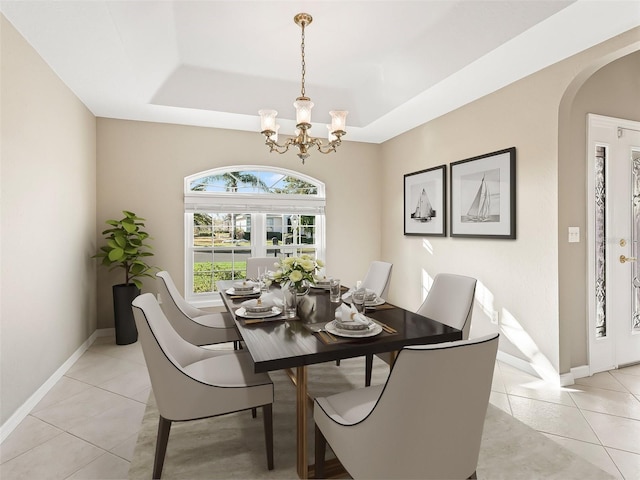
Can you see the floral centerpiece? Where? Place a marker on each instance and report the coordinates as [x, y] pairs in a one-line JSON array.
[[297, 272]]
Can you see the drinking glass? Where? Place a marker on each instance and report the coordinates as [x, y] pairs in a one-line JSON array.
[[290, 301], [334, 290], [358, 298]]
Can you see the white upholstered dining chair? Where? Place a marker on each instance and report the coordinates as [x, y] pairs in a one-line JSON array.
[[449, 301], [426, 421], [190, 382], [194, 325], [378, 278], [255, 263]]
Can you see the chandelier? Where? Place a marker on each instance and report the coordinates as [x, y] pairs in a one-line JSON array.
[[303, 106]]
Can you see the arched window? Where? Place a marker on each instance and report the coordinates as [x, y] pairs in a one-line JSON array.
[[242, 211]]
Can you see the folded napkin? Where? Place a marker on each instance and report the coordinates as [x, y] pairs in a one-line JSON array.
[[265, 301], [244, 285], [346, 315]]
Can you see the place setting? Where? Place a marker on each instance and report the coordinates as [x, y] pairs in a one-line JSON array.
[[349, 324], [244, 289], [371, 300], [267, 307]]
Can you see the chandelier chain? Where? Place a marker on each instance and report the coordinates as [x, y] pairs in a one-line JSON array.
[[304, 69]]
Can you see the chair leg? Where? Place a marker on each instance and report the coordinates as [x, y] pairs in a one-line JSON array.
[[164, 427], [368, 367], [320, 450], [338, 363], [267, 413], [254, 412]]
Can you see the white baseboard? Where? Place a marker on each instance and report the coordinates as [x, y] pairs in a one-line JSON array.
[[516, 362], [24, 410], [567, 379]]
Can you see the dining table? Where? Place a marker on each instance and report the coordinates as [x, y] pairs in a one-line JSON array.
[[277, 342]]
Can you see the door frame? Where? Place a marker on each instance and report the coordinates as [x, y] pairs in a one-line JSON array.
[[601, 351]]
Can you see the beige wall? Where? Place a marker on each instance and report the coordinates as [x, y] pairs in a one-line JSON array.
[[518, 278], [614, 91], [49, 202], [141, 167], [48, 221]]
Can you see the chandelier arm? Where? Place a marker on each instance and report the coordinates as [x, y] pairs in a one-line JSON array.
[[275, 147]]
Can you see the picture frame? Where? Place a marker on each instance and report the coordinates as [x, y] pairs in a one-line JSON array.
[[483, 196], [425, 205]]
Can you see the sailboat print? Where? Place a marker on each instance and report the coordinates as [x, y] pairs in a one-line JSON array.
[[424, 212], [479, 210]]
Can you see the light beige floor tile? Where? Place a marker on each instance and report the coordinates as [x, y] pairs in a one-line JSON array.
[[615, 432], [142, 396], [131, 353], [112, 427], [525, 385], [30, 433], [497, 384], [100, 368], [595, 454], [501, 401], [552, 418], [632, 370], [55, 459], [129, 384], [125, 449], [628, 463], [631, 382], [612, 402], [78, 409], [64, 388], [602, 380], [105, 467]]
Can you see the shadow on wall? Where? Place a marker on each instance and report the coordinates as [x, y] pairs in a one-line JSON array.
[[508, 325]]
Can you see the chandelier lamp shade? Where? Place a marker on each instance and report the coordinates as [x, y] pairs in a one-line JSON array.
[[303, 105]]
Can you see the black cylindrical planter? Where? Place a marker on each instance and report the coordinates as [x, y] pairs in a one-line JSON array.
[[123, 295]]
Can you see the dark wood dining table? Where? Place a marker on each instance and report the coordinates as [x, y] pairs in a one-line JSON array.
[[290, 344]]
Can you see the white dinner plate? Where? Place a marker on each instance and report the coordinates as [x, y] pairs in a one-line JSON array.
[[372, 331], [231, 291], [369, 303], [275, 311]]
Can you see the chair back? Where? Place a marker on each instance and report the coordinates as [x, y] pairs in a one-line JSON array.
[[450, 301], [378, 278], [432, 412], [166, 354], [255, 263], [173, 299]]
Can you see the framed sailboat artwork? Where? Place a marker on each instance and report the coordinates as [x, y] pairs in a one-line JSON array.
[[483, 196], [425, 208]]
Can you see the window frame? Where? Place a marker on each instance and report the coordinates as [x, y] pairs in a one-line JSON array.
[[256, 204]]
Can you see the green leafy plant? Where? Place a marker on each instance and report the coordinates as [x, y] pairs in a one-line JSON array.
[[126, 248]]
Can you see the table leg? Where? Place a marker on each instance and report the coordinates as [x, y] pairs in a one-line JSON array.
[[301, 422]]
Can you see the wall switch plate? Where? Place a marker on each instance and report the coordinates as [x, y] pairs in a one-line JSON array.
[[574, 234]]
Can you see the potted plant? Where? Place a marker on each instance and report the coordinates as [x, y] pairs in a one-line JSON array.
[[126, 249]]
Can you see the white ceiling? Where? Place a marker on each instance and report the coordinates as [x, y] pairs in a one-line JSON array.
[[393, 64]]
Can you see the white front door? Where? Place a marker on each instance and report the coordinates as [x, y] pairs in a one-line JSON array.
[[614, 236]]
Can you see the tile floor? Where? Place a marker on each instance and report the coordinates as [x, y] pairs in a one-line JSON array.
[[86, 427]]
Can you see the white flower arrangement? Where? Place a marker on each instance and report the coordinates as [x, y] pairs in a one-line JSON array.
[[295, 270]]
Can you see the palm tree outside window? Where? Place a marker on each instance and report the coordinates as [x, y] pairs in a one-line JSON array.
[[237, 212]]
